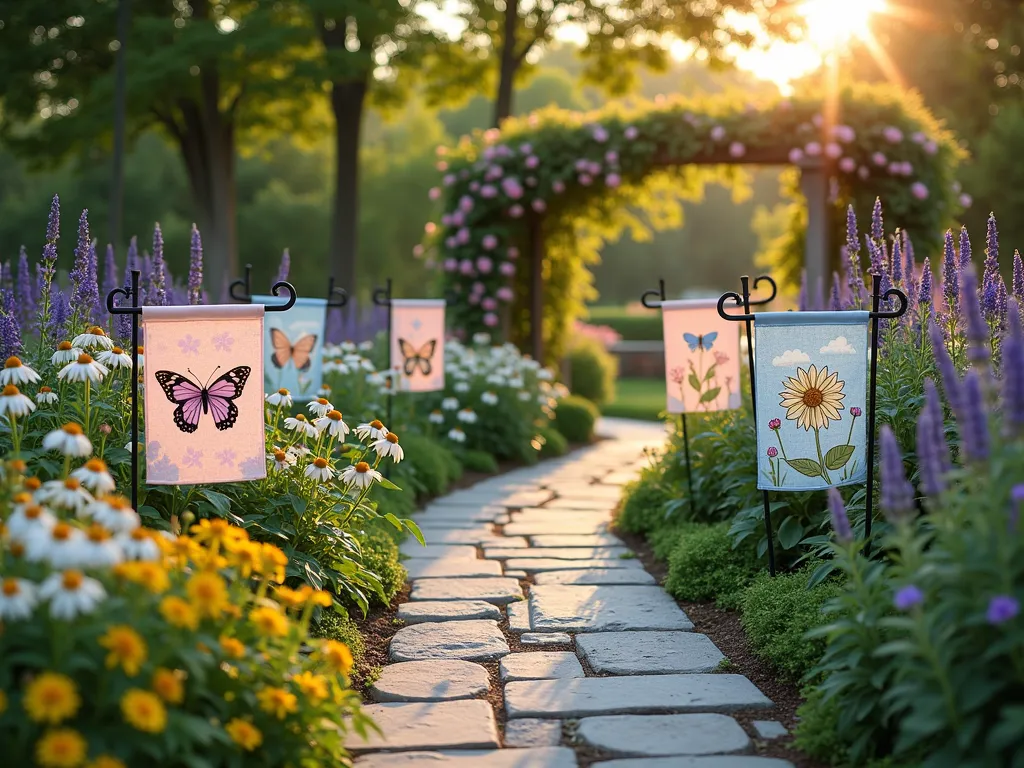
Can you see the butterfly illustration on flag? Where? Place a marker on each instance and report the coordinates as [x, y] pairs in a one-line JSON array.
[[193, 399], [417, 358], [299, 352], [701, 340]]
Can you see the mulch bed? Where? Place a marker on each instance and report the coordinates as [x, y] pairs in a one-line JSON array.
[[726, 631], [377, 629]]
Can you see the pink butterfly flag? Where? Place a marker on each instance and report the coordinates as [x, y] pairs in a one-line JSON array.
[[203, 394], [702, 357], [417, 344]]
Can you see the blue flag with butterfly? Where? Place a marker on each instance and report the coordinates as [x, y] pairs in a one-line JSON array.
[[293, 346], [417, 344], [702, 357]]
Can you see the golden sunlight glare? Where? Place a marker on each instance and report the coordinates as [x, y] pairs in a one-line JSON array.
[[832, 23]]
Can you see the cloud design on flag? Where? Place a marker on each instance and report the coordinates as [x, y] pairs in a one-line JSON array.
[[838, 346], [790, 358]]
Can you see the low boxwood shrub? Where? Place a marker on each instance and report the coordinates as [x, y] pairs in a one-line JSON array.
[[704, 566], [429, 467], [664, 540], [592, 371], [480, 461], [332, 625], [552, 443], [643, 505], [379, 550], [575, 418], [778, 612]]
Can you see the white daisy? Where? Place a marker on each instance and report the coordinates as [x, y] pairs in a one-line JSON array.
[[46, 396], [324, 391], [83, 369], [462, 387], [467, 416], [298, 450], [333, 423], [516, 383], [356, 361], [140, 357], [319, 470], [449, 404], [525, 396], [62, 546], [14, 403], [320, 407], [436, 417], [545, 375], [481, 339], [489, 398], [29, 520], [388, 446], [115, 358], [282, 397], [360, 475], [348, 347], [94, 476], [71, 593], [456, 435], [299, 423], [65, 494], [65, 354], [281, 460], [373, 430], [100, 550], [496, 379], [94, 338], [375, 379], [365, 346], [17, 599], [139, 545], [114, 513], [16, 372]]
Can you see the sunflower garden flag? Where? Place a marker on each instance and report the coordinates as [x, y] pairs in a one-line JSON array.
[[811, 371], [702, 357], [202, 394], [293, 346], [417, 343]]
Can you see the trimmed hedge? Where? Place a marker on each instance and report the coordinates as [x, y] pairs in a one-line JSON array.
[[575, 418], [592, 371], [704, 566]]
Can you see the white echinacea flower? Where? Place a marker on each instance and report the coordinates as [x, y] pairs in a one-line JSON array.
[[65, 354], [115, 358], [319, 470], [449, 404], [13, 403], [66, 494], [456, 435], [282, 397], [467, 416], [114, 513], [281, 460], [46, 396], [361, 475], [373, 430], [16, 372], [299, 423], [83, 369], [17, 599], [388, 446], [489, 398], [94, 476], [320, 407], [333, 423], [436, 417], [94, 338], [71, 594]]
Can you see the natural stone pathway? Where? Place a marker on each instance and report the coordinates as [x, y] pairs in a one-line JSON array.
[[523, 599]]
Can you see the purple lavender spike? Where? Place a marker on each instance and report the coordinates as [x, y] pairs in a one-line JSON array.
[[947, 371], [924, 294], [49, 259], [1001, 298], [964, 255], [835, 298], [909, 260], [840, 520], [284, 268], [897, 493], [990, 276], [897, 261], [950, 279], [877, 252], [94, 308], [971, 419], [195, 268], [1012, 394], [854, 275], [977, 328], [80, 293], [158, 282], [10, 334], [877, 230], [335, 325], [24, 292], [60, 315], [1018, 276], [932, 449]]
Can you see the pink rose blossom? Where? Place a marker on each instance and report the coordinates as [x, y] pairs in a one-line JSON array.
[[585, 179], [513, 253], [631, 132], [490, 319], [813, 149], [512, 188], [895, 168], [736, 149], [457, 219], [532, 161], [863, 172], [515, 211], [442, 166], [611, 157], [484, 265], [462, 236], [539, 206], [879, 159], [450, 264], [474, 186], [558, 186], [594, 169], [966, 200], [847, 165], [931, 148], [581, 165], [504, 293], [796, 155], [417, 251], [434, 193], [448, 180], [919, 190], [507, 268], [892, 134], [466, 267], [833, 150], [490, 304], [430, 227], [488, 191], [466, 203], [489, 242], [907, 169], [494, 172], [526, 149], [717, 133], [600, 134], [844, 133], [612, 180], [446, 220]]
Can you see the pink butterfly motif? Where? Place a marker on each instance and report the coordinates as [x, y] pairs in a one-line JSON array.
[[193, 400]]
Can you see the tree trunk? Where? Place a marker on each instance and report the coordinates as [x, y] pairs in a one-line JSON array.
[[508, 66], [348, 99]]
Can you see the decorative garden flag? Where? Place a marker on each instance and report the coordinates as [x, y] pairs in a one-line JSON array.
[[203, 400], [812, 384], [702, 357], [293, 346], [417, 343]]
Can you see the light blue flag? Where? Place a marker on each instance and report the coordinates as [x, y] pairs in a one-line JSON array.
[[811, 370], [293, 346]]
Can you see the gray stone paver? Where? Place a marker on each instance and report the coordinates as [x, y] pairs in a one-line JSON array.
[[658, 709], [769, 729]]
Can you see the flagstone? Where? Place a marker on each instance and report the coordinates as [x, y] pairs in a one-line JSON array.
[[463, 724], [472, 537], [541, 665], [448, 610], [655, 735], [541, 757], [649, 653], [541, 564], [545, 638], [717, 761], [519, 616], [769, 729], [603, 608], [435, 568], [582, 697], [434, 680], [565, 553], [499, 590], [413, 549], [555, 525], [470, 640], [531, 732], [596, 576], [603, 539]]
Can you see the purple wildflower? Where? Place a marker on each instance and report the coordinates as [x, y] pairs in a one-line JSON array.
[[195, 269], [977, 328], [907, 597], [924, 293], [877, 231], [854, 276], [49, 260], [60, 315], [1016, 504], [947, 371], [971, 419], [1018, 276], [876, 249], [10, 331], [932, 450], [110, 277], [897, 492], [94, 308], [285, 267], [23, 291], [965, 255], [1012, 385], [897, 261], [990, 275], [158, 277], [1001, 609], [1001, 298], [950, 279], [909, 261], [81, 296], [835, 300], [840, 521]]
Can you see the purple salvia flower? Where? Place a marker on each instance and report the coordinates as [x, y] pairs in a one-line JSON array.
[[8, 277], [876, 249], [158, 276], [908, 597], [964, 255], [950, 279], [897, 261], [10, 334], [81, 298], [909, 261], [840, 521], [1001, 305], [853, 272], [877, 231], [932, 450], [977, 328], [924, 293], [852, 237], [195, 269], [971, 419], [60, 315], [110, 276], [947, 371], [835, 298], [990, 275], [1001, 609], [48, 263], [94, 308], [1012, 385], [1018, 276], [897, 493], [24, 292], [285, 267]]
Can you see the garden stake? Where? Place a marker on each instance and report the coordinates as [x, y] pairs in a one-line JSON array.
[[382, 298], [135, 310], [240, 290], [875, 315], [748, 319]]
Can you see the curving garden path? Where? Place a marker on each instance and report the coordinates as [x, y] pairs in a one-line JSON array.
[[533, 639]]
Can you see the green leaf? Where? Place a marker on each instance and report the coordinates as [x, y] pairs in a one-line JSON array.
[[711, 373], [808, 467], [694, 381], [790, 533], [710, 395], [837, 457], [385, 483], [415, 531], [393, 520]]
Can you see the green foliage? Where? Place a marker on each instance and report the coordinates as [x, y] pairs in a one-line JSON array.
[[642, 399], [592, 371], [664, 540], [575, 418], [632, 324], [430, 467], [339, 626], [479, 461], [815, 732], [704, 566], [778, 612], [643, 504], [553, 443], [379, 556]]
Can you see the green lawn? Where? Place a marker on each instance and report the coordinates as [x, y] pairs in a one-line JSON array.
[[633, 324], [637, 399]]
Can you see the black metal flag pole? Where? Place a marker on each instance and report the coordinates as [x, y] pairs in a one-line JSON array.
[[876, 314], [135, 311], [382, 298], [748, 318]]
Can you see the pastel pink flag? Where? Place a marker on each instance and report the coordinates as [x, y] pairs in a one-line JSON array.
[[417, 344], [702, 357], [203, 393]]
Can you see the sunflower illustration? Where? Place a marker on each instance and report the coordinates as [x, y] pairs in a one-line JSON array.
[[813, 398]]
